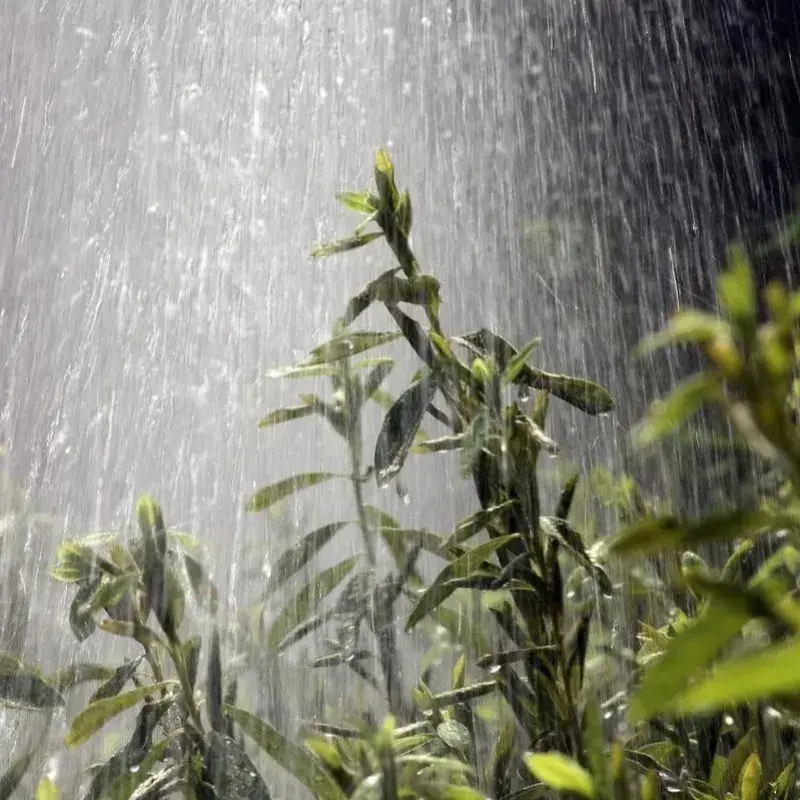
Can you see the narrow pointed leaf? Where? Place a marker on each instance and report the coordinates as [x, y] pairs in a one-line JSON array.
[[462, 567], [345, 245], [23, 686], [520, 360], [293, 758], [75, 675], [295, 558], [560, 773], [324, 370], [400, 427], [307, 600], [347, 345], [116, 683], [269, 495], [96, 715], [691, 326], [214, 685], [361, 202], [287, 414], [475, 523]]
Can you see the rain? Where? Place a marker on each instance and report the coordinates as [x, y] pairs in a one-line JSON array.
[[577, 169]]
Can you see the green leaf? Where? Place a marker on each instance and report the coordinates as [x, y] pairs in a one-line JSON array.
[[293, 758], [295, 558], [662, 533], [475, 440], [46, 790], [12, 777], [306, 601], [345, 245], [454, 734], [462, 567], [754, 677], [74, 675], [560, 773], [203, 589], [585, 395], [736, 290], [23, 686], [384, 180], [324, 370], [361, 202], [288, 414], [214, 685], [124, 772], [751, 778], [347, 345], [670, 413], [269, 495], [686, 653], [229, 770], [474, 524], [116, 683], [520, 360], [686, 327], [400, 427], [97, 714]]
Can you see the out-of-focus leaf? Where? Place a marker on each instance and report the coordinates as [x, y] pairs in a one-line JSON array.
[[686, 327], [560, 773], [500, 760], [736, 290], [762, 675], [203, 588], [663, 533], [751, 778], [669, 414], [347, 345], [117, 681], [462, 567], [306, 601], [400, 427], [295, 558], [97, 714], [229, 770], [459, 672], [269, 495], [12, 777], [688, 652], [293, 758], [23, 686], [46, 790], [345, 245]]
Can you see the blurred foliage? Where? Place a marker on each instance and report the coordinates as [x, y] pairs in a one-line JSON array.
[[542, 697]]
